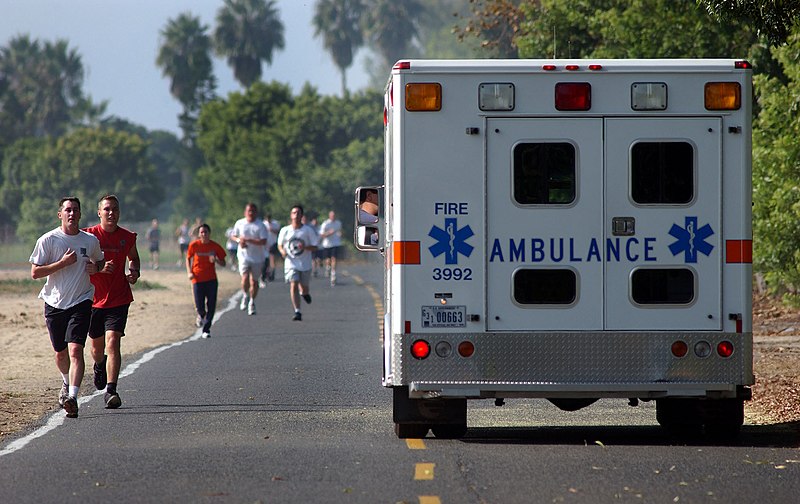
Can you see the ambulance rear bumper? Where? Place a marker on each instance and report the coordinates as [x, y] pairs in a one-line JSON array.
[[574, 365]]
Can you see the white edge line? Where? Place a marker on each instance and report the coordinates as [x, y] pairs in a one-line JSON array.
[[57, 418]]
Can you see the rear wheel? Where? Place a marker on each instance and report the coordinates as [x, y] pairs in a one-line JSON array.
[[410, 431]]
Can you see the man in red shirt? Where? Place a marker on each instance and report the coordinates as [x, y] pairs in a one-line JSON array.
[[112, 296], [201, 259]]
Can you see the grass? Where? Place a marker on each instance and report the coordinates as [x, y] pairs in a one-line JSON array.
[[21, 286]]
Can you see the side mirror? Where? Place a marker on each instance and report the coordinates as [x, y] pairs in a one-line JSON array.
[[367, 238], [368, 205]]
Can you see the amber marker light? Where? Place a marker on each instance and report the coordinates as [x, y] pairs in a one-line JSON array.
[[680, 349], [723, 96], [423, 96], [466, 349]]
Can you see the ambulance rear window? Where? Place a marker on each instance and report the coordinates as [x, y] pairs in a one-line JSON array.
[[662, 286], [662, 173], [545, 286], [544, 173]]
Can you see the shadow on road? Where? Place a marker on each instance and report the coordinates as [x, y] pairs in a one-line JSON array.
[[785, 435]]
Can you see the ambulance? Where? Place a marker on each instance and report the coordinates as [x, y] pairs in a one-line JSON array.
[[569, 230]]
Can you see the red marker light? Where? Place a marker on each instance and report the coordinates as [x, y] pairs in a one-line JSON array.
[[402, 65], [573, 96], [742, 64], [420, 349], [725, 349], [549, 68], [572, 68], [595, 67]]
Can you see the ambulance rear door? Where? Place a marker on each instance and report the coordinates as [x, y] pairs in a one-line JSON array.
[[663, 180]]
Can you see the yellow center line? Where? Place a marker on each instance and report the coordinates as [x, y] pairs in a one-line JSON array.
[[423, 471], [429, 499], [415, 444]]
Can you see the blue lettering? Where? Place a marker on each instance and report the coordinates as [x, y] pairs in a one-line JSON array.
[[516, 252], [572, 256], [553, 256], [612, 249], [630, 257], [497, 250], [450, 208], [648, 247], [537, 250], [594, 250]]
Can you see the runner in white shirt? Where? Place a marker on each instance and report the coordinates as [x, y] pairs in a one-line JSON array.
[[67, 256], [296, 242], [251, 235], [331, 233]]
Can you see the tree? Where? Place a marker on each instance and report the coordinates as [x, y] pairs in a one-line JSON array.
[[496, 24], [628, 29], [772, 18], [390, 26], [184, 58], [338, 22], [41, 89], [776, 172], [247, 33], [87, 162]]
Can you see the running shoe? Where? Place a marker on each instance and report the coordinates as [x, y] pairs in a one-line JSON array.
[[71, 407], [307, 298], [243, 303], [206, 335], [100, 378], [297, 316], [112, 400], [198, 322], [62, 396], [251, 308]]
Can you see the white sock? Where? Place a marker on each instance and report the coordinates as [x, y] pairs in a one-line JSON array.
[[73, 390]]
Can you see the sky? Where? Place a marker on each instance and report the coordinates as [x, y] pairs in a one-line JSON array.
[[118, 43]]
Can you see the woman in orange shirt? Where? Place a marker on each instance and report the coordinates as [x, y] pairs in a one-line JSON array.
[[201, 259]]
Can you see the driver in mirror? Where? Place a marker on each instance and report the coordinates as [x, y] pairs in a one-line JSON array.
[[368, 206]]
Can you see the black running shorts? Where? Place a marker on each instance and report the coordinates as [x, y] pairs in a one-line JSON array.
[[69, 325], [108, 319]]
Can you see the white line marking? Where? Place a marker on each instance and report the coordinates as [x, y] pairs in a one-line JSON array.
[[58, 417]]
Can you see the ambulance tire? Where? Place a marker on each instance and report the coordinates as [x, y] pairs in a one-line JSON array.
[[410, 430], [449, 431], [680, 417], [723, 418]]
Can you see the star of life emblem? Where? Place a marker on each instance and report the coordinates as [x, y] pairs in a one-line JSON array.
[[451, 241]]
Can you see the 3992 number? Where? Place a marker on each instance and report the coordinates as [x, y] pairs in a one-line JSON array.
[[452, 274]]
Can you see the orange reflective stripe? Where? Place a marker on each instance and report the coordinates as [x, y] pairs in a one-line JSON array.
[[739, 251], [405, 252]]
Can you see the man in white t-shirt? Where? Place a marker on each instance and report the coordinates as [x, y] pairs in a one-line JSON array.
[[296, 242], [67, 256], [251, 235], [331, 233]]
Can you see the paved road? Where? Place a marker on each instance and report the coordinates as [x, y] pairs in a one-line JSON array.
[[275, 411]]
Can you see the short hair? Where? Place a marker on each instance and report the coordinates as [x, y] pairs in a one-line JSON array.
[[73, 199], [362, 197], [299, 207], [204, 225], [251, 204], [110, 197]]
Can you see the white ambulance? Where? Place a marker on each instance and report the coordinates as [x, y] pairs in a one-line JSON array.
[[570, 230]]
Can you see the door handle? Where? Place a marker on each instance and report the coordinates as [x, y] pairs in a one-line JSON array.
[[623, 226]]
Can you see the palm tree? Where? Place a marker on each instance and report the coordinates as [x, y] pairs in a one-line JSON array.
[[42, 87], [338, 21], [184, 57], [248, 31], [390, 26]]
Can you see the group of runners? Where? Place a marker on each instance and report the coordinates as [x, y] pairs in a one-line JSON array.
[[89, 273]]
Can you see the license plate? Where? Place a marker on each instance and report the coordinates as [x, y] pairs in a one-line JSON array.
[[444, 316]]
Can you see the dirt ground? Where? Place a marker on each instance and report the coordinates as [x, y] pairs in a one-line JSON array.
[[29, 382]]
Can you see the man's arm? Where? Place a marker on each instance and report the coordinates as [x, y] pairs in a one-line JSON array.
[[134, 265], [43, 270]]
